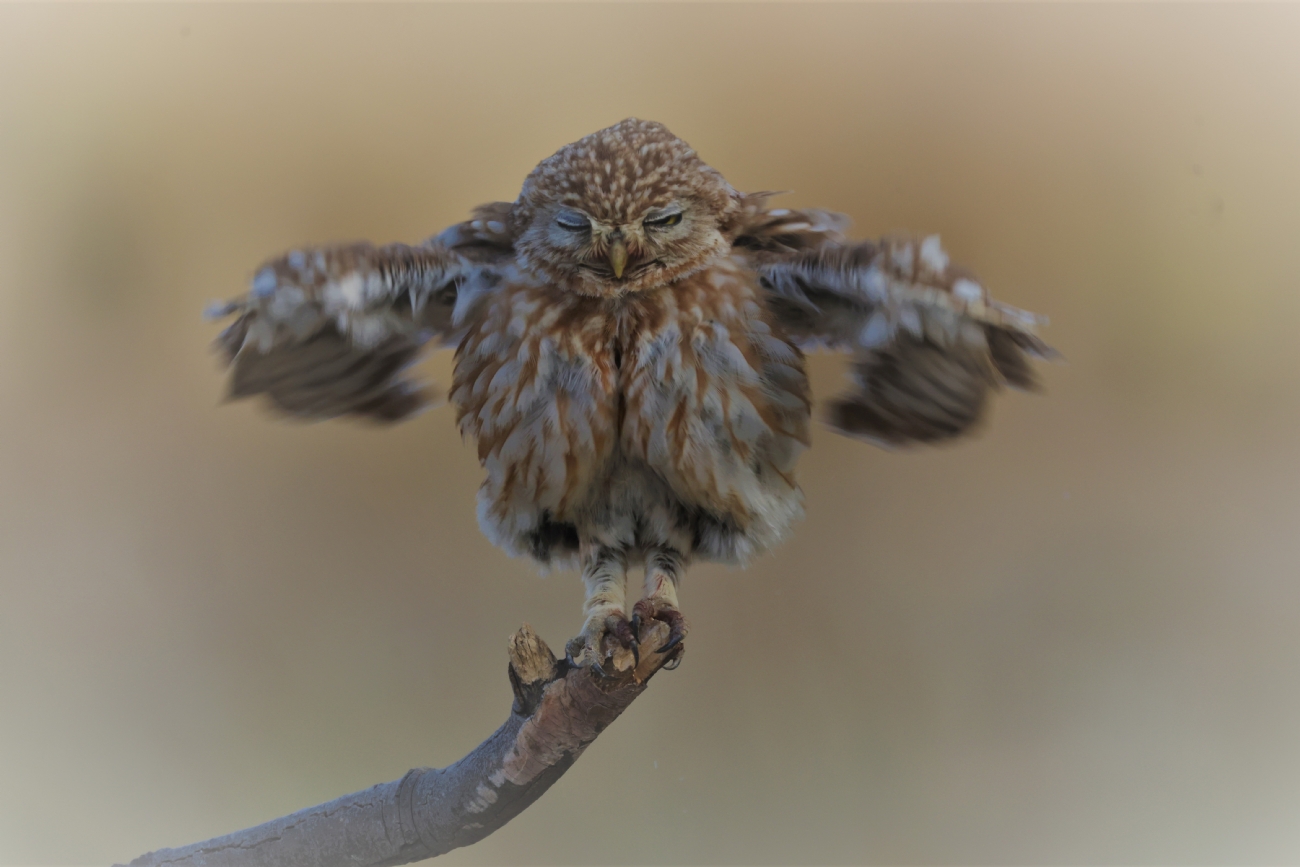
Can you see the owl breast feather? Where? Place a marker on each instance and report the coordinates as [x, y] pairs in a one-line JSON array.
[[676, 413]]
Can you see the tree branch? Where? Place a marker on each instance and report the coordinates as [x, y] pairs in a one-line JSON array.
[[558, 711]]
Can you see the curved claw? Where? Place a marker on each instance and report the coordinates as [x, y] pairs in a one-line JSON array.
[[587, 649], [667, 613], [671, 665], [583, 658], [569, 662], [636, 636], [626, 633], [672, 642]]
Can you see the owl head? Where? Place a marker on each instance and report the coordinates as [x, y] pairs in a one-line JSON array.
[[625, 209]]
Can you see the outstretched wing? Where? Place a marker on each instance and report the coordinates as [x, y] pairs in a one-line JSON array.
[[772, 236], [929, 344], [329, 332]]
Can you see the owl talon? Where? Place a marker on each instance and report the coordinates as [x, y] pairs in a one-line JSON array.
[[672, 642], [626, 635], [578, 653], [589, 649], [636, 637], [653, 608], [585, 660]]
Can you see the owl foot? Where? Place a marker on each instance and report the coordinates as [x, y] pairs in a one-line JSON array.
[[653, 608], [588, 648]]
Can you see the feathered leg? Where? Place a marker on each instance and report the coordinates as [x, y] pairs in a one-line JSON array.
[[664, 567], [604, 572]]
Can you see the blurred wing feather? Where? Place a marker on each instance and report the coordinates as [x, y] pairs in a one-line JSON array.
[[330, 332], [929, 345], [765, 236], [487, 238]]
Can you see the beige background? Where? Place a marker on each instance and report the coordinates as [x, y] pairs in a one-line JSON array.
[[1072, 640]]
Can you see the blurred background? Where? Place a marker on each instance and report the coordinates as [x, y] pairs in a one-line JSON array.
[[1072, 640]]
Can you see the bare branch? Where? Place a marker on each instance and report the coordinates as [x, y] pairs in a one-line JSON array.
[[558, 711]]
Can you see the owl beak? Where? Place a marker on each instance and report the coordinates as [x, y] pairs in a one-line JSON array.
[[618, 257]]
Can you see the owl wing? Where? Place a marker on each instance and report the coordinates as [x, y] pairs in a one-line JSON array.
[[929, 345], [769, 237], [329, 332]]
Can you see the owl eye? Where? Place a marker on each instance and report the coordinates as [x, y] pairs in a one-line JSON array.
[[573, 221], [663, 221]]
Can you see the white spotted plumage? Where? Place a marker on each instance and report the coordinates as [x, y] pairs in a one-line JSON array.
[[628, 338]]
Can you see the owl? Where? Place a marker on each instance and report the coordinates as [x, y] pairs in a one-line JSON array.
[[629, 339]]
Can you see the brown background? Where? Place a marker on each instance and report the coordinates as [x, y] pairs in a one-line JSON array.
[[1072, 640]]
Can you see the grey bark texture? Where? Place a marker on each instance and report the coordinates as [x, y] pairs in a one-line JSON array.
[[558, 711]]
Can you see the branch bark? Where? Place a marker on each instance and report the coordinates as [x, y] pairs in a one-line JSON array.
[[558, 711]]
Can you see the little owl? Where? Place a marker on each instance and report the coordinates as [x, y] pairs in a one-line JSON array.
[[629, 337]]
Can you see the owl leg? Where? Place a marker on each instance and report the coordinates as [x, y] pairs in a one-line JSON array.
[[604, 572], [663, 571]]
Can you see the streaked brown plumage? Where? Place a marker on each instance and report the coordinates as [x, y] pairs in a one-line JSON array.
[[629, 337]]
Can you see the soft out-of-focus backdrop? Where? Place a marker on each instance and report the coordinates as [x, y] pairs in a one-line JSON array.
[[1071, 640]]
